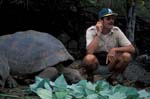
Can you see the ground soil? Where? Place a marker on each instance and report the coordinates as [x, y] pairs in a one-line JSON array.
[[21, 92]]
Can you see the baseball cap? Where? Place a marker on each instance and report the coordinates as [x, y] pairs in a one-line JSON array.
[[106, 12]]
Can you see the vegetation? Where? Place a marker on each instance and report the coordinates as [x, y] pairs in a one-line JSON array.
[[84, 90]]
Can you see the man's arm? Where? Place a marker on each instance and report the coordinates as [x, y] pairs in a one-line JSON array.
[[111, 54], [128, 48], [94, 43], [125, 46]]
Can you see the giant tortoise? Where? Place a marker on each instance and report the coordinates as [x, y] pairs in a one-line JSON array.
[[31, 52]]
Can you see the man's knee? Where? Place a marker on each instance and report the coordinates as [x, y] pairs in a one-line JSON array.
[[127, 57], [89, 59]]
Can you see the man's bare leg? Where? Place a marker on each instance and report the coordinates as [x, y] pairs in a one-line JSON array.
[[120, 65], [91, 63]]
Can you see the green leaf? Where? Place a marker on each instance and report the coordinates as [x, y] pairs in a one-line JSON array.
[[92, 96], [90, 88], [117, 95], [40, 83], [132, 93], [144, 94], [119, 88], [103, 88], [61, 95], [106, 92], [59, 89], [44, 93], [68, 97], [102, 85], [60, 84], [47, 85], [82, 83], [77, 91]]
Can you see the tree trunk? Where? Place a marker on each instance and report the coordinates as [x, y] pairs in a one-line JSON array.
[[131, 19]]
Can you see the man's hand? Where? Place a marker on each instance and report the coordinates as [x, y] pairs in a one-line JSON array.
[[111, 56], [99, 27]]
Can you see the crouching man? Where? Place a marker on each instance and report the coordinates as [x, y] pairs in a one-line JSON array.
[[107, 45]]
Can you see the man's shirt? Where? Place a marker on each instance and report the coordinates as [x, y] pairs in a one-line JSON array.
[[115, 38]]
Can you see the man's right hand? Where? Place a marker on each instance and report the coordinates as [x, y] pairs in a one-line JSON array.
[[99, 27]]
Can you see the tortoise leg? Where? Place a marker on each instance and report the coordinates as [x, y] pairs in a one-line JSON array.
[[11, 82], [2, 84], [71, 75], [4, 70], [51, 73]]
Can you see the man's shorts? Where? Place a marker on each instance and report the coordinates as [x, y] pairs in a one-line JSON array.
[[101, 56], [102, 68]]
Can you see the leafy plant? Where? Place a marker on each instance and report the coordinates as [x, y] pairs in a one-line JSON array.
[[84, 90]]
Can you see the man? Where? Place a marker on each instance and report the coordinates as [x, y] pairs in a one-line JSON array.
[[107, 45]]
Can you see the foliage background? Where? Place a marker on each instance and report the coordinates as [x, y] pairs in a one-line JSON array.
[[72, 17]]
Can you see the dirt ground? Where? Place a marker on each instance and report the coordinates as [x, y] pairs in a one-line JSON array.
[[21, 92]]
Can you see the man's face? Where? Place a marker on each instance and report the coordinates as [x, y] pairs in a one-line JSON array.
[[108, 21]]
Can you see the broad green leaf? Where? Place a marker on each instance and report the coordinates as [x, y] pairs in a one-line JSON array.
[[59, 89], [68, 97], [103, 97], [39, 83], [82, 83], [61, 95], [34, 86], [44, 93], [92, 96], [119, 88], [102, 85], [90, 88], [105, 92], [144, 94], [103, 88], [117, 95], [132, 93], [60, 84], [77, 91], [47, 86]]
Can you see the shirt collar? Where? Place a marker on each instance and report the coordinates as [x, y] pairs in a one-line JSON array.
[[112, 31]]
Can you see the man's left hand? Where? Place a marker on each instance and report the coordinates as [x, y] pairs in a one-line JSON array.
[[111, 56]]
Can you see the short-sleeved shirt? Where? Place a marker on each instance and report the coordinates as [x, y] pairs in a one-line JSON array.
[[115, 38]]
